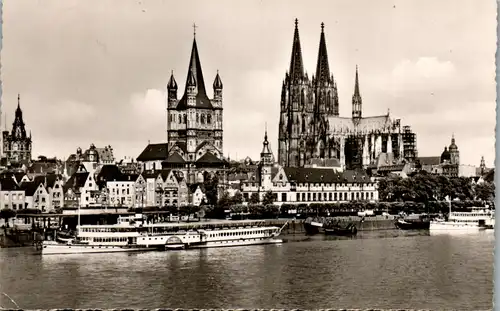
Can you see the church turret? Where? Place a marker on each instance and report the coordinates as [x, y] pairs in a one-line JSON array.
[[357, 101], [217, 86], [172, 87], [266, 164]]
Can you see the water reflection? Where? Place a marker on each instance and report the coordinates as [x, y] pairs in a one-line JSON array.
[[393, 269]]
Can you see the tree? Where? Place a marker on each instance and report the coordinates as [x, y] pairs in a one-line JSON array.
[[485, 191], [211, 184], [254, 198], [6, 214], [268, 198], [237, 198], [225, 200]]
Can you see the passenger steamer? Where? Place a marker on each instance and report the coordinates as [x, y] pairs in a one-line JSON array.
[[132, 235], [479, 218]]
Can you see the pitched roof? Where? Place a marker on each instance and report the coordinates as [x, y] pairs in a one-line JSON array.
[[429, 160], [29, 188], [324, 175], [209, 158], [49, 178], [107, 173], [194, 187], [19, 176], [43, 168], [175, 158], [153, 152], [8, 184], [181, 144], [76, 181]]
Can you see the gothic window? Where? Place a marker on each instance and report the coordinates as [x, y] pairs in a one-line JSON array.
[[202, 119], [185, 118], [302, 99], [303, 124], [180, 119], [197, 118], [329, 101], [209, 119]]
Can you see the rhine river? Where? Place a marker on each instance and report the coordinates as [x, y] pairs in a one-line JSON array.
[[385, 269]]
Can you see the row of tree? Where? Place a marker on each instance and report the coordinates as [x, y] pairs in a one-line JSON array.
[[424, 187]]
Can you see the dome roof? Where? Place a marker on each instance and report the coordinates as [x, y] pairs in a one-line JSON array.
[[445, 156], [453, 146]]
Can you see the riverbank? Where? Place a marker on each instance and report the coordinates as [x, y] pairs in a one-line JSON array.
[[12, 237], [373, 223]]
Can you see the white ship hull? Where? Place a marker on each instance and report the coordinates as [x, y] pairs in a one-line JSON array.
[[236, 243], [60, 249], [453, 226]]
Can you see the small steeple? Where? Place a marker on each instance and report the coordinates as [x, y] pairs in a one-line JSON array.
[[217, 81], [296, 65], [322, 68], [172, 84], [357, 101], [265, 143]]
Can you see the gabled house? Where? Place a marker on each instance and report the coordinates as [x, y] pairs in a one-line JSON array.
[[81, 189], [197, 194], [54, 184], [36, 196], [11, 195]]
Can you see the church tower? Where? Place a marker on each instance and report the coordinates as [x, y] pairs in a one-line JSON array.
[[266, 164], [195, 125], [17, 144], [296, 108], [454, 153]]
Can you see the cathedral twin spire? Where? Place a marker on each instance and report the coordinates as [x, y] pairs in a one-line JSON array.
[[322, 66]]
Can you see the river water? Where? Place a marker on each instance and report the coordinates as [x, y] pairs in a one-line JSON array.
[[385, 269]]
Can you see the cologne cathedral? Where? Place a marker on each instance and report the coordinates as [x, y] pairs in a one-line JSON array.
[[311, 130]]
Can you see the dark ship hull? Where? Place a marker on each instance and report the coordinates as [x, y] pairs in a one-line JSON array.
[[349, 230], [412, 225]]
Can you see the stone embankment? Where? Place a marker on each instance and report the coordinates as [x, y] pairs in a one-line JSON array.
[[370, 223]]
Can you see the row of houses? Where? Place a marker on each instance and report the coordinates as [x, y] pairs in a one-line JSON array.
[[107, 186]]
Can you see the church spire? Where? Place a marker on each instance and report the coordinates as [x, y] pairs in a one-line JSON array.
[[194, 70], [357, 101], [322, 68], [296, 65], [18, 129]]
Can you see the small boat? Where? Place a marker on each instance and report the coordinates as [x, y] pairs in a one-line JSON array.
[[313, 225], [412, 224], [349, 230]]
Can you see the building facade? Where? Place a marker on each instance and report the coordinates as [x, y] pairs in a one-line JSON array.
[[311, 128], [306, 185], [17, 143]]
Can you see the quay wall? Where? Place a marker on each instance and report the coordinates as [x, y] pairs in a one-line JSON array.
[[369, 224]]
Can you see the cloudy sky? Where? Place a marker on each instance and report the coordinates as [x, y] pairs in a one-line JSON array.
[[97, 73]]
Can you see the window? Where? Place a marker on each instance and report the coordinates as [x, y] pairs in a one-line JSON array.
[[180, 119], [283, 197], [209, 119], [197, 118], [202, 119]]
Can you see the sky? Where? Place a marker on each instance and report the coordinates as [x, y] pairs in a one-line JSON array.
[[98, 73]]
